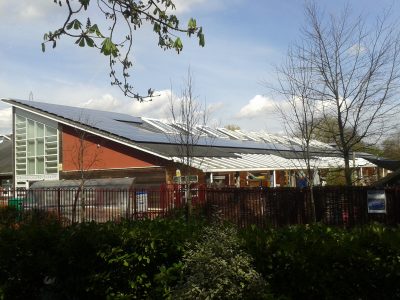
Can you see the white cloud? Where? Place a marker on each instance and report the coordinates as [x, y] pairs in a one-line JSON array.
[[30, 12], [5, 121], [215, 107], [25, 9], [106, 102], [258, 106], [357, 49], [184, 6], [157, 108]]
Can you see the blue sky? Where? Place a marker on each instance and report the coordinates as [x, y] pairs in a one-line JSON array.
[[244, 40]]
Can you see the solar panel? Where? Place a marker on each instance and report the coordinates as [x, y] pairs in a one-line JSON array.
[[186, 129], [230, 133], [212, 131], [164, 127], [133, 129]]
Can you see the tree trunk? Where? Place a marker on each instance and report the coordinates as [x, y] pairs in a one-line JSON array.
[[347, 169], [313, 214], [83, 205], [75, 204]]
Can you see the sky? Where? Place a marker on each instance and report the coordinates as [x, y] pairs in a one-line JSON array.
[[245, 41]]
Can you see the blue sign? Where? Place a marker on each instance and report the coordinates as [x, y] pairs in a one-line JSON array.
[[376, 201]]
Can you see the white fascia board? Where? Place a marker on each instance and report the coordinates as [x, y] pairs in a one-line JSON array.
[[241, 169], [72, 124]]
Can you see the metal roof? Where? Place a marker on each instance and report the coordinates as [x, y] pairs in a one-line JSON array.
[[263, 162], [212, 154], [126, 126], [6, 163]]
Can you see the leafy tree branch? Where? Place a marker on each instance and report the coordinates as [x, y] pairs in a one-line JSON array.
[[130, 15]]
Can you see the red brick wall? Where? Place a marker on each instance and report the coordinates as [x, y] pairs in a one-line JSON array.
[[99, 153]]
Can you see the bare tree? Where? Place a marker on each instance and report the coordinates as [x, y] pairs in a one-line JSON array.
[[85, 154], [355, 75], [391, 146], [188, 114], [299, 112]]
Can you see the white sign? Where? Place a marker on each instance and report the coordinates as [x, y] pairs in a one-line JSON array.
[[141, 201], [37, 177], [376, 201], [185, 179]]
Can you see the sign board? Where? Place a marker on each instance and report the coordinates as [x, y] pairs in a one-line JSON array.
[[376, 201], [185, 179], [141, 201]]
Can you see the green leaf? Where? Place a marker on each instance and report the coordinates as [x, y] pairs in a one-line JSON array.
[[77, 24], [157, 27], [43, 47], [192, 24], [95, 29], [69, 25], [109, 48], [178, 44], [85, 3], [89, 41], [200, 35], [80, 42]]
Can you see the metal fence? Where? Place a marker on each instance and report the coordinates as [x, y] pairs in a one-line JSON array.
[[340, 206], [100, 205], [343, 206]]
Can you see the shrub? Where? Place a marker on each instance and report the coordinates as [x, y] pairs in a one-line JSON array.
[[215, 267], [8, 216], [320, 262], [142, 263], [42, 259], [27, 253]]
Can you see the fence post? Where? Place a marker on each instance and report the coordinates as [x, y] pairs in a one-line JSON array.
[[59, 204], [128, 205], [134, 204]]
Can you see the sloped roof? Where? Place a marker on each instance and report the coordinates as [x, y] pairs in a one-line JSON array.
[[254, 162], [6, 162], [125, 126], [225, 154]]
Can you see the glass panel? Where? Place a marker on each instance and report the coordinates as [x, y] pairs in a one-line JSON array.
[[51, 158], [21, 154], [31, 148], [40, 165], [51, 171], [52, 152], [20, 119], [31, 129], [39, 147], [50, 131], [39, 130], [52, 139], [51, 164], [31, 166]]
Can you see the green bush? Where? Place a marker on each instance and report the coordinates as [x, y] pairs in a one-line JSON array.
[[27, 253], [320, 262], [215, 267], [170, 258], [8, 216], [91, 261], [142, 264]]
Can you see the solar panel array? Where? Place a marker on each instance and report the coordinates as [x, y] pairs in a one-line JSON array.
[[136, 130]]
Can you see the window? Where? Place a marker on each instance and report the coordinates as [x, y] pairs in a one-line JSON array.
[[36, 147]]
